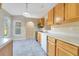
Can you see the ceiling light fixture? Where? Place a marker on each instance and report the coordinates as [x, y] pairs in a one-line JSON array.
[[26, 14], [26, 6]]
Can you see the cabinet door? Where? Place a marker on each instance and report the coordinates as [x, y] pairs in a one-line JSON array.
[[7, 50], [51, 46], [50, 17], [42, 21], [1, 52], [66, 49], [51, 49], [71, 12], [59, 13], [39, 37], [62, 52]]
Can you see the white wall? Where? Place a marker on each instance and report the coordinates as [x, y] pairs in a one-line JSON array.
[[24, 35]]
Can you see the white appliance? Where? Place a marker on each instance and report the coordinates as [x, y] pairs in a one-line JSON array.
[[44, 41]]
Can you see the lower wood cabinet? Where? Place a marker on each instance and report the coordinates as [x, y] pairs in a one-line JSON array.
[[7, 50], [39, 37], [51, 46], [57, 47], [66, 49], [62, 52], [51, 49]]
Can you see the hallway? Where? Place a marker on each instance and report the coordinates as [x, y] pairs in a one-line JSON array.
[[27, 48]]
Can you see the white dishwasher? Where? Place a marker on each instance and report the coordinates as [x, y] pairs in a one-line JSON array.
[[44, 41]]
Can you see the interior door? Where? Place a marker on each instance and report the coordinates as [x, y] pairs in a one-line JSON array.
[[30, 30]]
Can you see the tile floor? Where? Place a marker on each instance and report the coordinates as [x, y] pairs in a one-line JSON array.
[[27, 48]]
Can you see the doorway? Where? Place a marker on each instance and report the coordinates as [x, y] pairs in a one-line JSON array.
[[30, 30]]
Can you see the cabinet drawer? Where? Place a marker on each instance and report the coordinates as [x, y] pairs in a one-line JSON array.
[[51, 42], [51, 39], [69, 47]]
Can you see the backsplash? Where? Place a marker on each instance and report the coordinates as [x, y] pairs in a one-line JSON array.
[[70, 29]]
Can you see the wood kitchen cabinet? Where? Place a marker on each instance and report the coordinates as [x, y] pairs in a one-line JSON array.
[[59, 11], [71, 12], [50, 17], [7, 50], [57, 47], [51, 46], [41, 22], [66, 49], [63, 13], [0, 5], [39, 37], [62, 52]]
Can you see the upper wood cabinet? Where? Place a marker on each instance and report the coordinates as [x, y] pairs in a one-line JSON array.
[[50, 17], [59, 13], [71, 12], [42, 22], [63, 13]]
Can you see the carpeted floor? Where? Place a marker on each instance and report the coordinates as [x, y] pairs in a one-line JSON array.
[[27, 48]]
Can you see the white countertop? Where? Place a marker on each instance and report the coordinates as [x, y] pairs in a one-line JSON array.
[[4, 41], [69, 39]]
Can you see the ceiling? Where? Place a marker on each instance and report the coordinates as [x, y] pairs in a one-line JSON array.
[[35, 10]]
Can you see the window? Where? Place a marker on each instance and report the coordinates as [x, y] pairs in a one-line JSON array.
[[18, 28], [7, 24]]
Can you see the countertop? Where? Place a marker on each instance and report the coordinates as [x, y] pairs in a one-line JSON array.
[[4, 41], [69, 39]]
